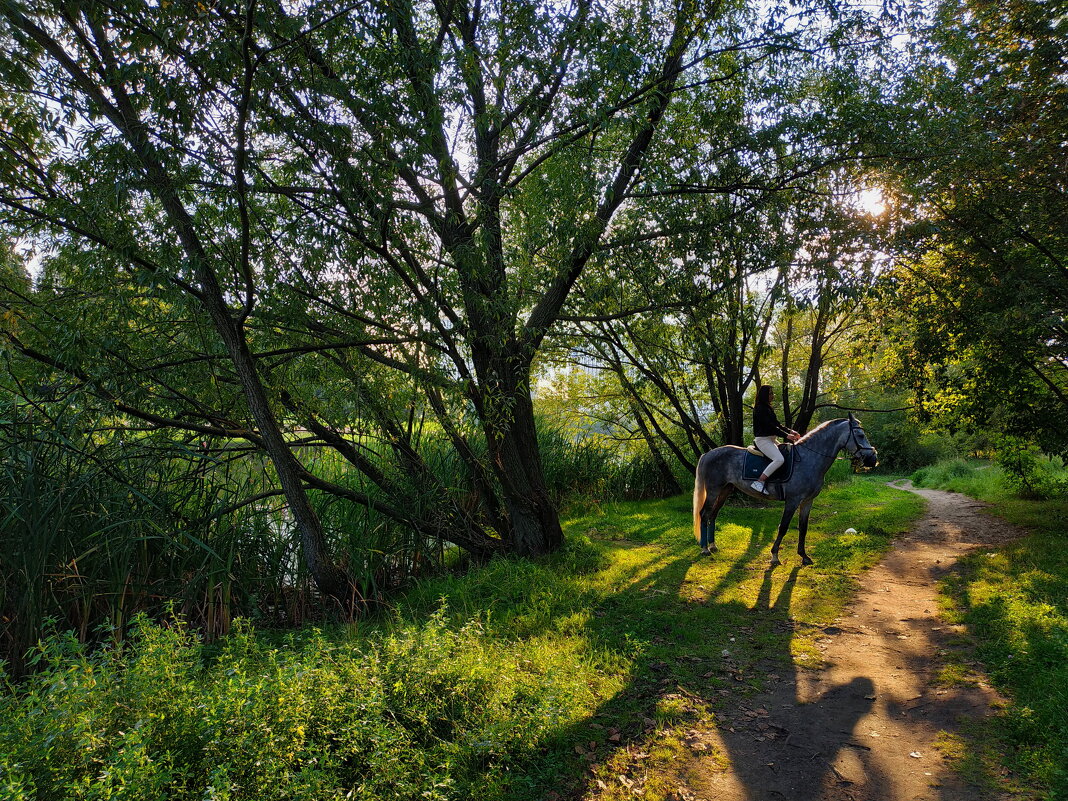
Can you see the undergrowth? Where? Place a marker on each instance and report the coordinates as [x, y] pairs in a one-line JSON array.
[[580, 673]]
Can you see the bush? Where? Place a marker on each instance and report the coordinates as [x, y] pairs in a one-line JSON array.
[[1031, 473], [942, 473], [421, 712]]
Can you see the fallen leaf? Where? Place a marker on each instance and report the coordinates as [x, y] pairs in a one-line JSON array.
[[915, 754]]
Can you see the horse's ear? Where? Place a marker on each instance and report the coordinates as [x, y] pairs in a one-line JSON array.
[[852, 419]]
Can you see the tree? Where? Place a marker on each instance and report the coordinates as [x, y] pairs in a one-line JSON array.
[[186, 153], [982, 284], [307, 228]]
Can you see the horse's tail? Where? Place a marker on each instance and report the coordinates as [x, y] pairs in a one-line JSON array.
[[699, 494]]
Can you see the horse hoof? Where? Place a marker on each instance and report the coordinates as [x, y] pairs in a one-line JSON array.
[[706, 552], [775, 561], [806, 561]]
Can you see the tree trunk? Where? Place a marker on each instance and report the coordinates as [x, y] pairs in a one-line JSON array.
[[534, 525], [784, 390]]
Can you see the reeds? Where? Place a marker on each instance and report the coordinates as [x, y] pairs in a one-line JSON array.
[[100, 524]]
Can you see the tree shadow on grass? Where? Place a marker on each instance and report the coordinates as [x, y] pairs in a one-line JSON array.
[[709, 637], [690, 633]]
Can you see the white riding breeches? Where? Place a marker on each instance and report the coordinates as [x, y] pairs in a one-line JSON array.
[[770, 448]]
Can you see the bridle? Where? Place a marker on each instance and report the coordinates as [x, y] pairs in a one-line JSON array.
[[856, 456]]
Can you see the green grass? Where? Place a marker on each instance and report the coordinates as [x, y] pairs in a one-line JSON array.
[[973, 477], [1014, 601], [514, 681]]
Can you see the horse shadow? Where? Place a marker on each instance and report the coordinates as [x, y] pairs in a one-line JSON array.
[[703, 655], [786, 741]]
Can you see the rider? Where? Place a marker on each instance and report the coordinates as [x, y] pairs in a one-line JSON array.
[[765, 426]]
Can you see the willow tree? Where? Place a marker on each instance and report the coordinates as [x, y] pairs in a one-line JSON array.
[[267, 181], [278, 206]]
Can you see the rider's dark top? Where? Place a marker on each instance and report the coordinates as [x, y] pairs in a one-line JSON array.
[[766, 424]]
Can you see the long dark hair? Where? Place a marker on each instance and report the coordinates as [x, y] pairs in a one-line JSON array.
[[763, 397]]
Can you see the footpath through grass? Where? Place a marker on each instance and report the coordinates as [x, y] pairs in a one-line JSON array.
[[581, 673], [1014, 603]]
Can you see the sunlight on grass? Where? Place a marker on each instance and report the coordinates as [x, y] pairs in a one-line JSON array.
[[1014, 603], [589, 671]]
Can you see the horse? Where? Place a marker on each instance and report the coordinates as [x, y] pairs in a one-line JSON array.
[[719, 473]]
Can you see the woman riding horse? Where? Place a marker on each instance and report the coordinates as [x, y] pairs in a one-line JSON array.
[[722, 470], [765, 426]]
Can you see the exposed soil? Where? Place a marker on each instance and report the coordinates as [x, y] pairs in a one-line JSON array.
[[865, 726]]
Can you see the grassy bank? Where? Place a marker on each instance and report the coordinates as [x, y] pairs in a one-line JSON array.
[[1014, 602], [516, 681]]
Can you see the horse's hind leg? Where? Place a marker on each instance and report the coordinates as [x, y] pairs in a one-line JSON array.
[[802, 529], [708, 520], [784, 524]]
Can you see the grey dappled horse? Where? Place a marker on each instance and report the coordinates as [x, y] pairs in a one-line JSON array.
[[719, 472]]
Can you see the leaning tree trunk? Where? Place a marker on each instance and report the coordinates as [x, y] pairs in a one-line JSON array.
[[331, 580]]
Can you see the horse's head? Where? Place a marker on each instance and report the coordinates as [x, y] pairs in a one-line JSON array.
[[863, 453]]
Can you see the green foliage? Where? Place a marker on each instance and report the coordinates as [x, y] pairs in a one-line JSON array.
[[942, 473], [98, 525], [976, 308], [478, 686], [586, 467], [1018, 470], [420, 711], [1031, 473]]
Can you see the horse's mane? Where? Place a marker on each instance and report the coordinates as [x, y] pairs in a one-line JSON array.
[[820, 428]]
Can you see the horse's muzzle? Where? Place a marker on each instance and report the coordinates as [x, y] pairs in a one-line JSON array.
[[872, 459]]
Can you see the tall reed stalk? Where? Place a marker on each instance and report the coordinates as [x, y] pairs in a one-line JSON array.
[[100, 524]]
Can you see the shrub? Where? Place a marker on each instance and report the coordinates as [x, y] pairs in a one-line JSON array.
[[419, 712], [1031, 473]]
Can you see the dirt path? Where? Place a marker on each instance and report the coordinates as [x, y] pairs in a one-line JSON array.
[[865, 726]]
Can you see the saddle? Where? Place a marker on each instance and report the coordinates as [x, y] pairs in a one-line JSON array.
[[755, 462]]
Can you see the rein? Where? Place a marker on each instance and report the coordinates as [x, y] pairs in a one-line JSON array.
[[834, 456]]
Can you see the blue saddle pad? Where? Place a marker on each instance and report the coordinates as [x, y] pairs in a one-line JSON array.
[[754, 465]]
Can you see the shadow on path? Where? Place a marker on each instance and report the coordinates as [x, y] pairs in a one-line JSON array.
[[866, 725]]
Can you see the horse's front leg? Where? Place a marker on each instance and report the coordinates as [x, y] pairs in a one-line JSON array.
[[802, 530], [708, 521], [784, 524]]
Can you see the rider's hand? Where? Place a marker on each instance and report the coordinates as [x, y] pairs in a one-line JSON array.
[[793, 436]]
